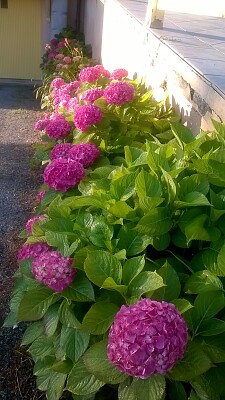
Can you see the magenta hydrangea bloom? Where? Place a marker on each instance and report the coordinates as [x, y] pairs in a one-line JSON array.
[[31, 221], [41, 124], [118, 93], [87, 115], [53, 270], [58, 127], [119, 73], [84, 153], [92, 94], [63, 174], [60, 150], [57, 83], [147, 338], [90, 74], [40, 195], [32, 250]]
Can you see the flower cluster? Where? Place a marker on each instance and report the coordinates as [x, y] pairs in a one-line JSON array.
[[53, 270], [118, 93], [119, 74], [57, 83], [63, 174], [42, 123], [87, 115], [32, 250], [60, 150], [58, 127], [147, 338], [92, 94], [92, 74], [31, 222], [84, 153]]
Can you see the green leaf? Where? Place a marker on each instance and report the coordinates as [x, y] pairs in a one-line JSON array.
[[121, 210], [193, 199], [32, 332], [209, 260], [211, 327], [132, 268], [176, 391], [109, 284], [145, 282], [171, 188], [100, 232], [80, 289], [96, 356], [35, 304], [155, 223], [55, 386], [182, 305], [214, 346], [208, 304], [204, 389], [194, 363], [99, 318], [152, 388], [132, 241], [197, 229], [221, 259], [51, 319], [194, 183], [74, 342], [171, 288], [147, 185], [67, 316], [149, 203], [182, 134], [58, 240], [124, 187], [41, 347], [81, 381], [219, 127], [100, 265], [201, 282]]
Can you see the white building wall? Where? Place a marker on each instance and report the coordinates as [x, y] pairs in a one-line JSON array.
[[93, 23], [58, 16]]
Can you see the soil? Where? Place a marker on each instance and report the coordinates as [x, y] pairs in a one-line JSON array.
[[19, 184]]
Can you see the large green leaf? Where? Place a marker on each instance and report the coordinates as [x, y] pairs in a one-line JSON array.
[[32, 332], [147, 185], [171, 288], [193, 183], [99, 318], [194, 363], [58, 240], [100, 232], [80, 289], [122, 210], [124, 187], [132, 268], [204, 389], [100, 265], [208, 304], [67, 316], [51, 319], [182, 305], [152, 388], [170, 189], [145, 282], [35, 304], [81, 381], [155, 223], [211, 327], [214, 346], [96, 356], [176, 391], [74, 342], [202, 281], [132, 241], [193, 199], [182, 133], [41, 347]]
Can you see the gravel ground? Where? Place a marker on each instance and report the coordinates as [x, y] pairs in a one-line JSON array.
[[18, 188]]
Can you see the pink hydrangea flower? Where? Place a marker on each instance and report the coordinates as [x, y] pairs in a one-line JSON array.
[[51, 55], [60, 150], [84, 153], [72, 104], [118, 93], [119, 73], [87, 115], [59, 56], [61, 44], [58, 127], [53, 270], [31, 222], [41, 124], [54, 42], [67, 60], [90, 74], [63, 174], [147, 338], [32, 250], [92, 94], [40, 195], [57, 83]]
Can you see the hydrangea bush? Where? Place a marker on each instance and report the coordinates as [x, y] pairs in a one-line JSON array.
[[122, 273]]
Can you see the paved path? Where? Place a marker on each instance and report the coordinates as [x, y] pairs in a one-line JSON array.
[[18, 187]]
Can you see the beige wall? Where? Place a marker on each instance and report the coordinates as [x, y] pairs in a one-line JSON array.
[[93, 17], [20, 38]]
